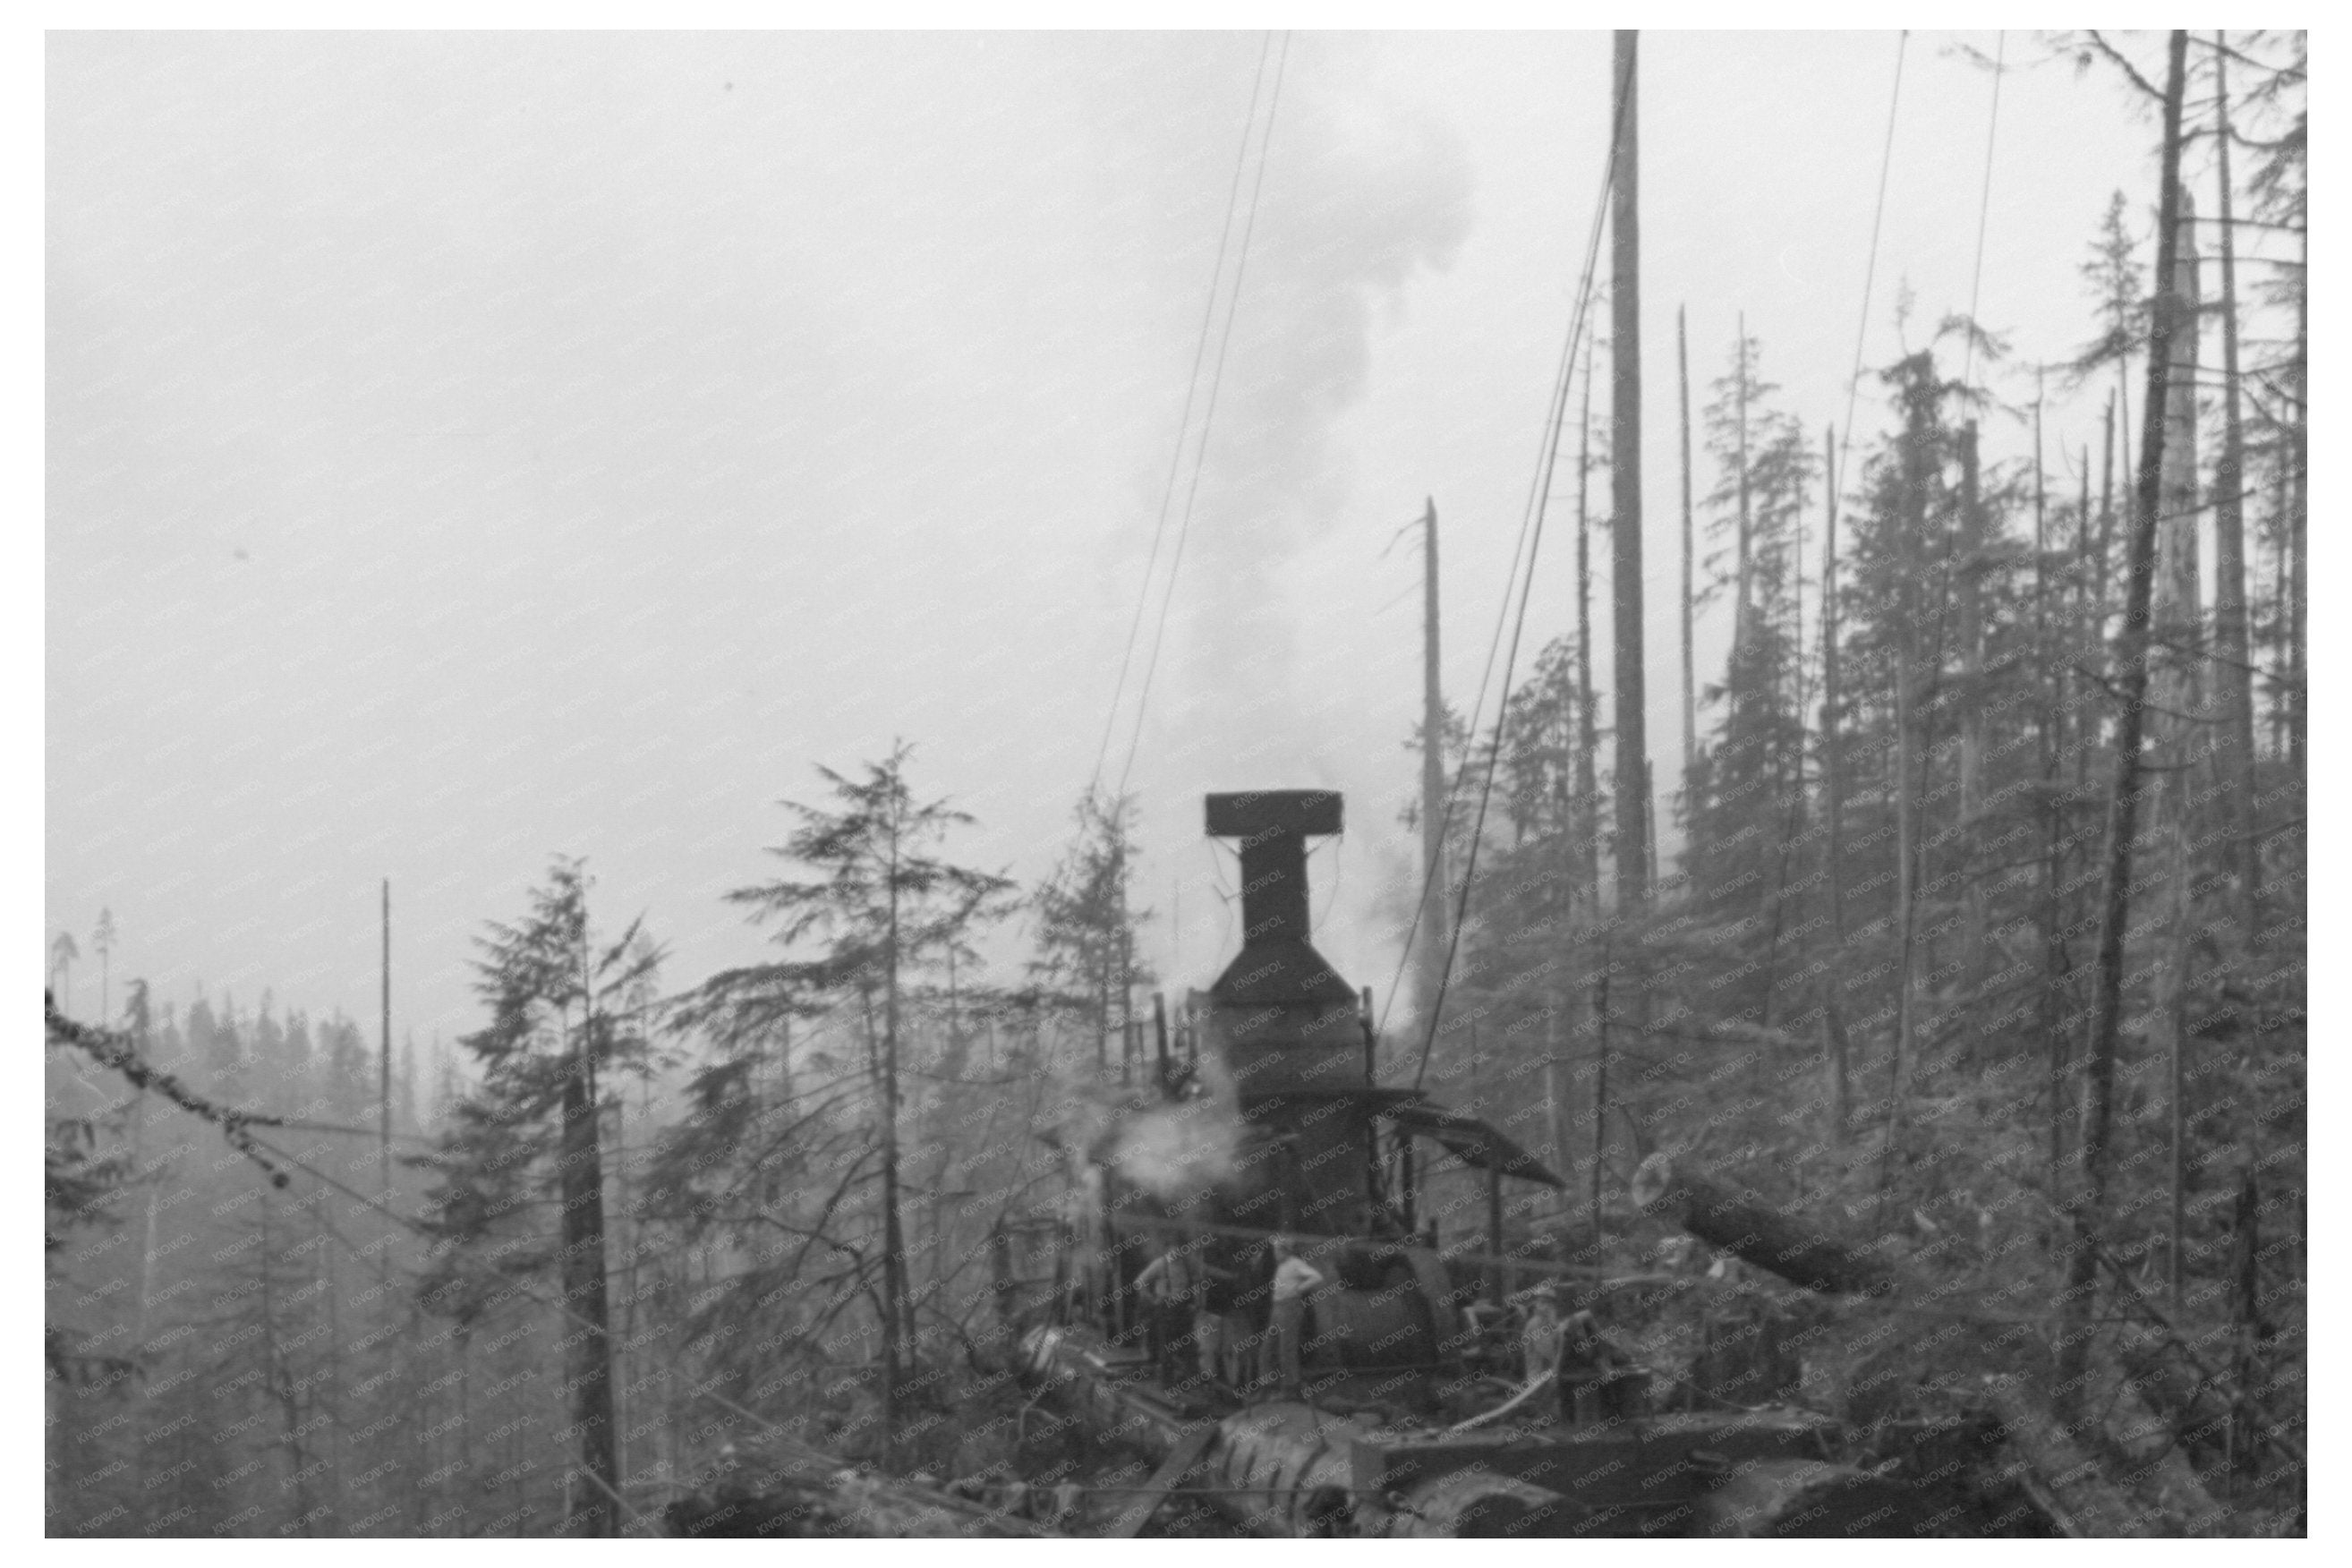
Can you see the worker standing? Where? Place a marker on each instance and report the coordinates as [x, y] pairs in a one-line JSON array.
[[1294, 1279], [1176, 1284], [1157, 1286]]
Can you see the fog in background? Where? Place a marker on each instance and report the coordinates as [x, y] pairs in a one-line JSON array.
[[462, 449]]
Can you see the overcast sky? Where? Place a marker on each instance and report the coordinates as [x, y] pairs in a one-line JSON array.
[[466, 449]]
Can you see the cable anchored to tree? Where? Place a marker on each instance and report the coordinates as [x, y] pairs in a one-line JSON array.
[[114, 1050]]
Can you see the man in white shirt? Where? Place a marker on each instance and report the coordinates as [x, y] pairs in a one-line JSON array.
[[1294, 1279]]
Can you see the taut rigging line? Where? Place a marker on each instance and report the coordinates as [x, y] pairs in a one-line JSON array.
[[1869, 272], [1184, 420], [1531, 524], [1984, 210], [1208, 416], [1217, 378]]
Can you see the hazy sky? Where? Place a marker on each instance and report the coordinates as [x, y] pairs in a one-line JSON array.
[[464, 449]]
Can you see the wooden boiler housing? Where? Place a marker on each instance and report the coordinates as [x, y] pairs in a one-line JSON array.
[[1282, 1050], [1288, 1035]]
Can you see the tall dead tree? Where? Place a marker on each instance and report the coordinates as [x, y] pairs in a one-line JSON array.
[[1625, 481], [2103, 557], [2090, 645], [1971, 552], [1588, 732], [2233, 647], [1434, 944], [1919, 396], [383, 1061], [1584, 848], [2087, 1202], [2049, 741], [1690, 663], [1744, 582], [2177, 732], [1833, 806], [2298, 690], [588, 1371]]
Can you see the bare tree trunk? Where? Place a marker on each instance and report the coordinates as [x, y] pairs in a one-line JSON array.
[[898, 1357], [1690, 699], [588, 1361], [1555, 1090], [1972, 703], [1435, 946], [2078, 729], [384, 1078], [2233, 647], [324, 1281], [888, 1304], [2283, 612], [1788, 760], [1833, 806], [278, 1378], [1743, 580], [1587, 739], [146, 1280], [1128, 1039], [2051, 742], [2088, 1202], [2299, 685], [1600, 1072], [2298, 470], [1625, 485], [2178, 733], [2105, 553], [1907, 761]]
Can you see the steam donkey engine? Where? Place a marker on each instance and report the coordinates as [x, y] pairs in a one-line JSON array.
[[1271, 1124], [1146, 1306]]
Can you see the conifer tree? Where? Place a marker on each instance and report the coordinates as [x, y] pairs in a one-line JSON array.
[[1749, 780], [881, 904], [1086, 924], [560, 1018]]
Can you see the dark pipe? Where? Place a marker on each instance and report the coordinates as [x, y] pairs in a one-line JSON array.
[[1274, 826]]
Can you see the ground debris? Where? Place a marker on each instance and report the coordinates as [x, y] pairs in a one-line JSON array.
[[770, 1491]]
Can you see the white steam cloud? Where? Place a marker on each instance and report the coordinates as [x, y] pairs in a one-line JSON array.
[[1175, 1151]]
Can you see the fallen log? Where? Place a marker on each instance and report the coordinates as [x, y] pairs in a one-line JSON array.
[[1741, 1223], [2065, 1482]]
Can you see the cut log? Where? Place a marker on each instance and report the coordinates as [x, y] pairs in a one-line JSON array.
[[1180, 1463], [1745, 1225]]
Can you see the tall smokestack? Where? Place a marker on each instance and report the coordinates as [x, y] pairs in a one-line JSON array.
[[1283, 1025], [1274, 826]]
